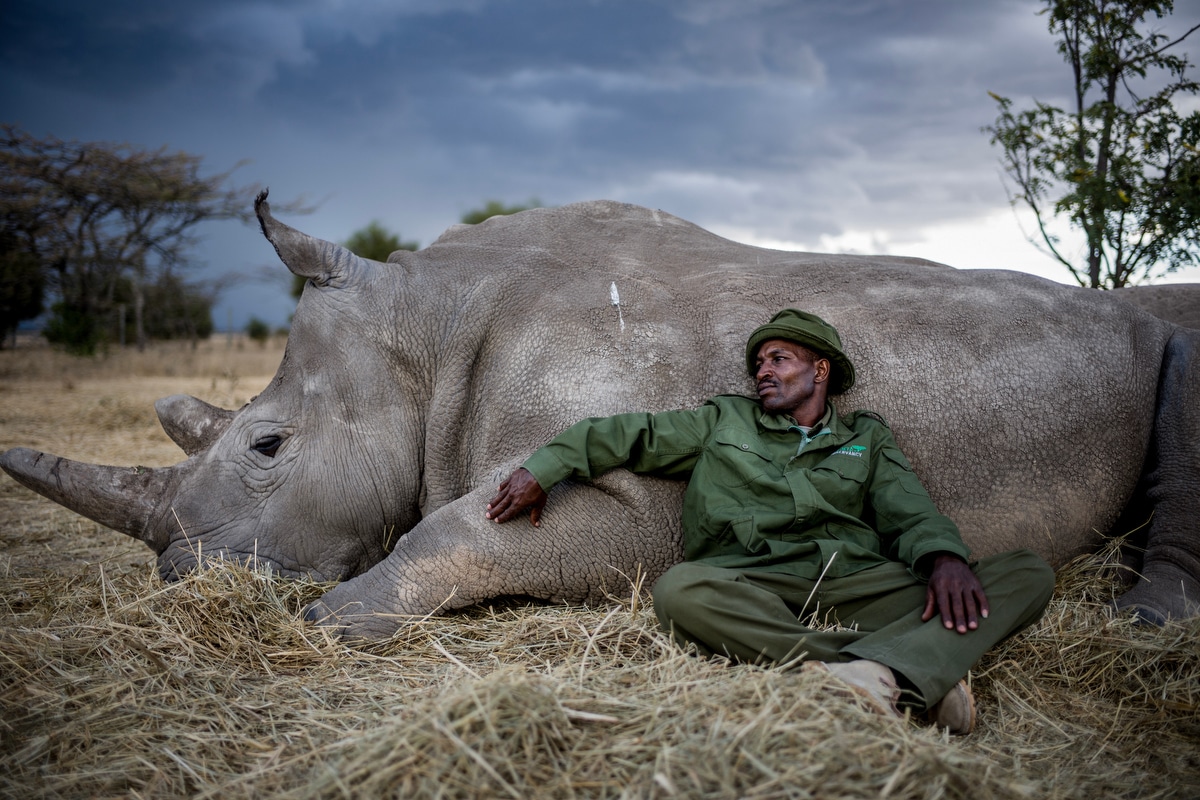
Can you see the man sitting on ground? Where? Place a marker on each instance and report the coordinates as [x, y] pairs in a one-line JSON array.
[[794, 515]]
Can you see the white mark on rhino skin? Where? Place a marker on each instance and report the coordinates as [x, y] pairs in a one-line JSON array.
[[616, 301]]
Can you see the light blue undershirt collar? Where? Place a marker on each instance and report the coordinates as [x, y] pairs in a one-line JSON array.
[[806, 434]]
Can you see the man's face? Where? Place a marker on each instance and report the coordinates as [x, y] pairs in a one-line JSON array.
[[791, 380]]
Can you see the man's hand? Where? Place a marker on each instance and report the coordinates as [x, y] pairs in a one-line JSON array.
[[956, 593], [519, 492]]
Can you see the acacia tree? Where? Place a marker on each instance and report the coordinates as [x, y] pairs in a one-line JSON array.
[[99, 216], [21, 284], [1121, 163]]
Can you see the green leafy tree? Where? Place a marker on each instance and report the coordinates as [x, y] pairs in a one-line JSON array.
[[494, 208], [95, 214], [1121, 163], [374, 242]]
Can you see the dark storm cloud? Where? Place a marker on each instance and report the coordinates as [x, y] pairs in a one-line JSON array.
[[118, 49], [729, 85], [786, 119]]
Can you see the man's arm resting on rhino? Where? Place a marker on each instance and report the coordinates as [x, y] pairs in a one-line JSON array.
[[518, 492], [954, 591], [667, 443]]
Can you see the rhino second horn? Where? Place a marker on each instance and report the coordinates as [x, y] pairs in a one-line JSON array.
[[320, 261], [122, 498], [192, 423]]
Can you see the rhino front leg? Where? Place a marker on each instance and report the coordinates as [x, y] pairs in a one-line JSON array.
[[591, 541], [1169, 586]]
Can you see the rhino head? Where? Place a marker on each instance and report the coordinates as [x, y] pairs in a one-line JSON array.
[[298, 480]]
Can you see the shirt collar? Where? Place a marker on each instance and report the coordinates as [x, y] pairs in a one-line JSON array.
[[783, 422]]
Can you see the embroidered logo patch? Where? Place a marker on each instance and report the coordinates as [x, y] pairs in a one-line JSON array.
[[855, 450]]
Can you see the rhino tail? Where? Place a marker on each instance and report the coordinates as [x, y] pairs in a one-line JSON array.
[[324, 263], [1169, 586]]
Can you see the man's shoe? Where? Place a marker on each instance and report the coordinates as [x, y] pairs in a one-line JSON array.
[[869, 680], [955, 711]]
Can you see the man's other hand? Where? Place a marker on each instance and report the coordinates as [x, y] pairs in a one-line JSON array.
[[956, 593], [517, 493]]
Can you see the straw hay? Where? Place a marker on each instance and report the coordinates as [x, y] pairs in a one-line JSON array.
[[222, 356], [115, 685]]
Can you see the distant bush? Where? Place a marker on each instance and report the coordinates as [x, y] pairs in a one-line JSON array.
[[75, 329], [22, 286], [258, 330], [171, 309]]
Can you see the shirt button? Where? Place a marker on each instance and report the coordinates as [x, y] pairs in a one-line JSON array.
[[745, 447]]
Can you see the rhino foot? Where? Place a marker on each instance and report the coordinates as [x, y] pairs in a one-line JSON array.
[[1161, 596], [318, 613], [346, 617], [1141, 614], [350, 621]]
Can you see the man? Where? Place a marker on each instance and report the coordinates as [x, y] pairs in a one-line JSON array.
[[807, 537]]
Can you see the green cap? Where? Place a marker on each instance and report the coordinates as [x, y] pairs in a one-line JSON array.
[[814, 333]]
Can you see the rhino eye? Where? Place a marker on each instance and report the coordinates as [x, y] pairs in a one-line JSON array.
[[268, 445]]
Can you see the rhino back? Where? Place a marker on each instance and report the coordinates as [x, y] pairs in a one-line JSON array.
[[1174, 302], [1025, 406]]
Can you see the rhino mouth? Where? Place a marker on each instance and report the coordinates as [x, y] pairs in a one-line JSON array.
[[178, 562]]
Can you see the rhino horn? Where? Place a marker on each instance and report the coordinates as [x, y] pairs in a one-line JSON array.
[[322, 262], [122, 498], [192, 423]]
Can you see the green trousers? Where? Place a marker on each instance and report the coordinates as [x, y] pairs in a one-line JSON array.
[[757, 616]]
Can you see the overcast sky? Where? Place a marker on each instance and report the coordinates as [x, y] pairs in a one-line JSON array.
[[841, 125]]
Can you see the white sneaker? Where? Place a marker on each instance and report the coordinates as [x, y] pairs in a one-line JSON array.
[[869, 680]]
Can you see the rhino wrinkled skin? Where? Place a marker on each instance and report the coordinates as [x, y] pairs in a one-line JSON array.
[[1035, 413]]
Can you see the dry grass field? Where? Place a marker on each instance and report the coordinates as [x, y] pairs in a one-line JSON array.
[[115, 685]]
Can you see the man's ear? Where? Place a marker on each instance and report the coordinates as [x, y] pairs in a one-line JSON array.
[[822, 367]]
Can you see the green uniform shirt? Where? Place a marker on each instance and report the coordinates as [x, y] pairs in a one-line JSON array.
[[761, 493]]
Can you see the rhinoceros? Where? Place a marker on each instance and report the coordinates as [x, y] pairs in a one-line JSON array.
[[1035, 413], [1175, 302]]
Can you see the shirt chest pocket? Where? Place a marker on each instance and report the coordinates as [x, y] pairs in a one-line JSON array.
[[840, 481], [736, 459]]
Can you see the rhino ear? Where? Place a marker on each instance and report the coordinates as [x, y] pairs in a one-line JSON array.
[[324, 263], [191, 423]]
